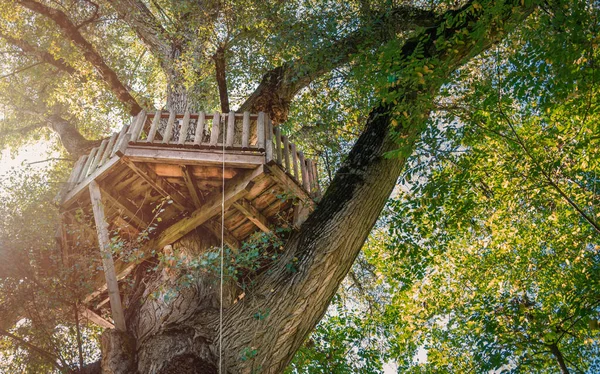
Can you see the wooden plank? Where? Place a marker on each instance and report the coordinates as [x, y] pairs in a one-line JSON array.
[[190, 183], [158, 184], [260, 129], [230, 129], [286, 153], [138, 126], [311, 177], [278, 145], [194, 157], [107, 260], [185, 124], [289, 184], [246, 130], [268, 139], [214, 131], [76, 171], [99, 155], [124, 207], [316, 180], [169, 129], [303, 171], [211, 207], [154, 127], [199, 129], [119, 141], [295, 161], [94, 318], [202, 172], [252, 214], [80, 187], [214, 226], [86, 167], [109, 148]]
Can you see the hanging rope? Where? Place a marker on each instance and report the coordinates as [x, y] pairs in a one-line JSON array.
[[222, 237]]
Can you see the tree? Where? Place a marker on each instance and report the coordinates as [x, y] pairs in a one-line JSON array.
[[408, 53]]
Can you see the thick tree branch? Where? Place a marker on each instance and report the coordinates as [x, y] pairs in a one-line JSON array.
[[41, 55], [219, 58], [280, 84], [323, 251], [146, 26], [75, 144], [88, 50]]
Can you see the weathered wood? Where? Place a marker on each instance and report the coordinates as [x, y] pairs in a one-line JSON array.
[[230, 129], [124, 207], [86, 167], [193, 157], [214, 226], [278, 145], [268, 139], [109, 149], [154, 127], [295, 161], [199, 129], [157, 183], [303, 171], [94, 318], [214, 131], [185, 124], [286, 153], [190, 183], [138, 126], [99, 155], [317, 186], [311, 177], [235, 190], [252, 214], [119, 141], [203, 172], [81, 186], [107, 260], [169, 129], [246, 130], [76, 171], [260, 131], [289, 184]]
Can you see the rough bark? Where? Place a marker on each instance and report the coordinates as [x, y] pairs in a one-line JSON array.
[[221, 76], [75, 144], [263, 330]]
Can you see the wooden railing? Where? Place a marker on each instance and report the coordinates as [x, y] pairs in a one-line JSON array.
[[242, 132]]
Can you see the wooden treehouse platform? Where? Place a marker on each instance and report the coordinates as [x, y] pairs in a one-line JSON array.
[[162, 177]]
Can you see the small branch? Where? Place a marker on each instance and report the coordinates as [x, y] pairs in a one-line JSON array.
[[19, 70], [71, 31], [220, 67], [48, 356], [41, 54], [559, 358]]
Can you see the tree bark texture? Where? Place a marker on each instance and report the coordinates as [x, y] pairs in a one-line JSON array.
[[262, 332]]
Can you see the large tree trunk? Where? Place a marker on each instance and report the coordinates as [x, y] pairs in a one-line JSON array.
[[178, 331]]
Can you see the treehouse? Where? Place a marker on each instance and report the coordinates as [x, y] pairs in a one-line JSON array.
[[167, 174]]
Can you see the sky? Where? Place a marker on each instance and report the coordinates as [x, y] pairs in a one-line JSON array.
[[36, 152]]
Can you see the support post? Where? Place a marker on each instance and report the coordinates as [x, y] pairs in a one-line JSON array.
[[107, 260]]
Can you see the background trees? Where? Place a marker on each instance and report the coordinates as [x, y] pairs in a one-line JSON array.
[[486, 256]]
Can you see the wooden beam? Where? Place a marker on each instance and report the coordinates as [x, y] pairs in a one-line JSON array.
[[190, 183], [97, 175], [252, 214], [244, 160], [125, 207], [214, 226], [290, 184], [107, 260], [237, 188], [159, 184], [93, 317]]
